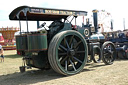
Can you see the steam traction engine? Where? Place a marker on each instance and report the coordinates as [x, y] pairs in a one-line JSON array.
[[64, 46]]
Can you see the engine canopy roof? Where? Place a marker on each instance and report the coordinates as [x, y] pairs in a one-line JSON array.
[[42, 14]]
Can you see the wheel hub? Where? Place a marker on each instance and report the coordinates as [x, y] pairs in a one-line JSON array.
[[71, 52]]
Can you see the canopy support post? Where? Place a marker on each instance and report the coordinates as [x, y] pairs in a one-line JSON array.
[[27, 22], [20, 26]]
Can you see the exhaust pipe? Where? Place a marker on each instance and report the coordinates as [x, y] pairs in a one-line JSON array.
[[95, 20]]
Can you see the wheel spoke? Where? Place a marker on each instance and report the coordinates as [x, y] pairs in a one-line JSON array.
[[67, 43], [106, 59], [73, 65], [66, 65], [77, 59], [80, 51], [78, 44], [60, 49], [68, 60], [111, 52], [60, 54], [71, 45], [63, 59], [71, 40], [63, 47], [109, 59], [60, 58], [106, 54]]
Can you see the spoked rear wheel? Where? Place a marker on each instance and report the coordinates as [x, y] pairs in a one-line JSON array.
[[67, 52], [109, 53]]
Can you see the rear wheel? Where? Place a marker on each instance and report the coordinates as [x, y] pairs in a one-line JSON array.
[[67, 52], [108, 52]]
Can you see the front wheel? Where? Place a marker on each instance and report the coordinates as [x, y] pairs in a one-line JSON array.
[[108, 53], [67, 52]]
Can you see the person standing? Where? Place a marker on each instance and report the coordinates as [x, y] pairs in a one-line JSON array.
[[1, 52]]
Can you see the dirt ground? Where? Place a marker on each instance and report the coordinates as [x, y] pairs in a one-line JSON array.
[[92, 74]]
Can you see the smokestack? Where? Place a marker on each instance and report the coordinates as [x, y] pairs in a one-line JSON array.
[[111, 25], [95, 20]]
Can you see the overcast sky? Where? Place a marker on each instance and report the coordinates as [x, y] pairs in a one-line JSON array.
[[117, 8]]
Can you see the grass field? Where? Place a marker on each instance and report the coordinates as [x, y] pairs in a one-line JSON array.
[[92, 74], [11, 63]]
